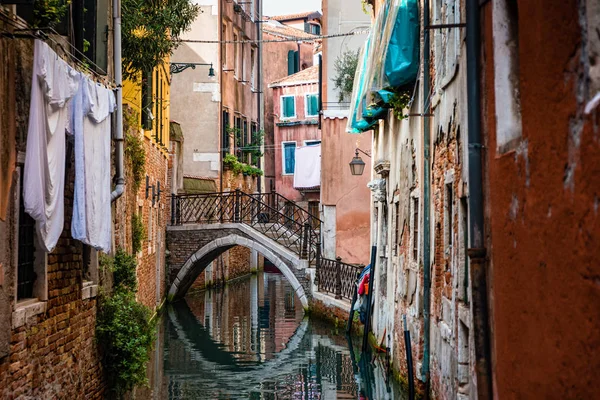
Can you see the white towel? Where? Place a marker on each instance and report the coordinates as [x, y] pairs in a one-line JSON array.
[[307, 172]]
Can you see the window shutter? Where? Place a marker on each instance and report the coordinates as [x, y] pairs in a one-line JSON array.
[[291, 61], [290, 158], [288, 107], [307, 27], [296, 61]]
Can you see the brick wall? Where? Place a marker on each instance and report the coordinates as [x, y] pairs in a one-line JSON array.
[[52, 353]]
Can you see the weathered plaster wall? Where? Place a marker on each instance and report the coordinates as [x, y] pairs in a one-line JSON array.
[[196, 100], [347, 193], [305, 130], [275, 66], [542, 210]]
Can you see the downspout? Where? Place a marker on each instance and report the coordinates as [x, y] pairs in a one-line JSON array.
[[426, 202], [477, 250], [118, 135], [220, 66], [259, 83]]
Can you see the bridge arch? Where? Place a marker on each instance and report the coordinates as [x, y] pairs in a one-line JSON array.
[[200, 259]]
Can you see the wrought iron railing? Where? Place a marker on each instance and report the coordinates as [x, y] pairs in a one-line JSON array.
[[337, 277], [292, 226]]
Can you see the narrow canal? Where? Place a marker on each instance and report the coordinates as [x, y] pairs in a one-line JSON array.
[[251, 340]]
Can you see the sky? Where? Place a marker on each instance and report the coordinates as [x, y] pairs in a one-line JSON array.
[[282, 7]]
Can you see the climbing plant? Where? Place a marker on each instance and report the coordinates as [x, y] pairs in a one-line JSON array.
[[138, 233], [254, 149], [399, 102], [152, 30], [345, 68], [125, 329], [134, 146]]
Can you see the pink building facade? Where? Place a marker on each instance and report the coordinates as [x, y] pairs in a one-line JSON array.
[[296, 112]]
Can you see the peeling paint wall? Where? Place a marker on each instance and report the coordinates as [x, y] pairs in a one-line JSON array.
[[398, 221], [543, 230]]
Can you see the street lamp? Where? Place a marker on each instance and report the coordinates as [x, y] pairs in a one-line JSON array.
[[357, 165], [180, 67]]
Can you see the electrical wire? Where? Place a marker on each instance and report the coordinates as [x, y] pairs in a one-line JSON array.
[[294, 39]]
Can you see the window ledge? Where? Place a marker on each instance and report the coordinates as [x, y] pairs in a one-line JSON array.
[[89, 290], [26, 309]]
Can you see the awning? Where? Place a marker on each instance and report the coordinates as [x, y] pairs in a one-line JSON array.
[[307, 171]]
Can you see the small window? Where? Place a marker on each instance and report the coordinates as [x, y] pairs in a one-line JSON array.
[[312, 105], [245, 141], [289, 157], [293, 62], [235, 55], [288, 107], [225, 133], [31, 258], [147, 115], [237, 135], [312, 142], [224, 38], [415, 228], [449, 213], [397, 227], [253, 67], [26, 275], [242, 66]]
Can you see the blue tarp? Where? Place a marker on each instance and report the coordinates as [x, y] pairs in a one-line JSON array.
[[395, 38]]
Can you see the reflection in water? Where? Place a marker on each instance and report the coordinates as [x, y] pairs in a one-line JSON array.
[[250, 340]]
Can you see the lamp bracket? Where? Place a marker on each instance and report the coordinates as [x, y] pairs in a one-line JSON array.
[[176, 67]]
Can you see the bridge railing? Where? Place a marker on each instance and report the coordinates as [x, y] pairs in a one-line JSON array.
[[291, 226], [336, 277]]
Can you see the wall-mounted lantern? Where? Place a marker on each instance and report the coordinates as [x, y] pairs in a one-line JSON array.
[[357, 165]]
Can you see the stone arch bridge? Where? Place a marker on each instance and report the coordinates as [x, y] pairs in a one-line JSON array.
[[206, 225]]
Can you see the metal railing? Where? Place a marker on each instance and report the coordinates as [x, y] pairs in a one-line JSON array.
[[290, 225], [337, 277]]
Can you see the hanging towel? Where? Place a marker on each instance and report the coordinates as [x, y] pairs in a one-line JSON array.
[[91, 221], [53, 85], [307, 172]]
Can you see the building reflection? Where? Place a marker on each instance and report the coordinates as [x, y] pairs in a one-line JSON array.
[[249, 341]]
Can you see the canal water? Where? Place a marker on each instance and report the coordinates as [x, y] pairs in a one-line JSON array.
[[251, 340]]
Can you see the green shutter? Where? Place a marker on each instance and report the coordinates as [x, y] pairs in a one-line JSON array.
[[288, 107], [291, 62], [312, 105]]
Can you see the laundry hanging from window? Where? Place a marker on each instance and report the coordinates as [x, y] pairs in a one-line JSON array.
[[65, 100], [53, 85], [91, 221]]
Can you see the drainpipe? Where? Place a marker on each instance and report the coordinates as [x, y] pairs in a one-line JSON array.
[[477, 251], [222, 48], [259, 82], [118, 135], [426, 202]]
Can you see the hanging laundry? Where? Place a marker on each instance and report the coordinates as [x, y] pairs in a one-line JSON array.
[[53, 85], [91, 221], [307, 171]]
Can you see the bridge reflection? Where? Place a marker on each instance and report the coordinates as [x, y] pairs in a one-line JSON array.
[[250, 340]]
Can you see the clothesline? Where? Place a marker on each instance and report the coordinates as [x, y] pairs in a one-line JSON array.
[[38, 33]]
